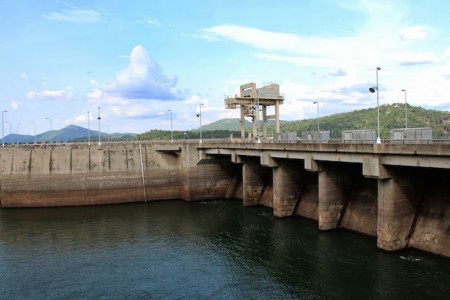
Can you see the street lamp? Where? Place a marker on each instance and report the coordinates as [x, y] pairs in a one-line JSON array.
[[17, 137], [99, 142], [3, 129], [34, 124], [200, 116], [258, 140], [171, 127], [10, 132], [373, 90], [406, 110], [89, 130], [318, 126], [51, 138]]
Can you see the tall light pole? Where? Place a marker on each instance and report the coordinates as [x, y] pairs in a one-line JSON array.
[[99, 142], [406, 110], [10, 132], [171, 125], [51, 137], [34, 124], [17, 138], [89, 129], [200, 116], [373, 90], [258, 140], [3, 128], [318, 126]]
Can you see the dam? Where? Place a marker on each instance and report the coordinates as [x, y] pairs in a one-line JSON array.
[[397, 193]]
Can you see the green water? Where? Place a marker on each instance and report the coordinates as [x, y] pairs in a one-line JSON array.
[[206, 250]]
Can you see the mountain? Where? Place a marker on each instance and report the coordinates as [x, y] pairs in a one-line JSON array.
[[225, 124], [391, 116], [233, 124], [66, 134]]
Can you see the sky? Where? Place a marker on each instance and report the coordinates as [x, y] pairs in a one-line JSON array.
[[147, 62]]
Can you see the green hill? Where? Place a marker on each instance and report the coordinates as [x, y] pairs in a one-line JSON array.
[[226, 124], [71, 133], [391, 116]]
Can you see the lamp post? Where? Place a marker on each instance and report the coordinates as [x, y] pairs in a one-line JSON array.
[[258, 140], [318, 126], [200, 116], [373, 90], [99, 141], [17, 138], [89, 130], [34, 124], [171, 127], [10, 132], [51, 138], [406, 110], [3, 128]]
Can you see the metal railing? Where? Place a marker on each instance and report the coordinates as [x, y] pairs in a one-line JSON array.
[[241, 141]]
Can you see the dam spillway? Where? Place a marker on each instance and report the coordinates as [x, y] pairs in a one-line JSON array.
[[397, 193]]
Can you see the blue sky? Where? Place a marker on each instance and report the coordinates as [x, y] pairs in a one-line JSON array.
[[137, 60]]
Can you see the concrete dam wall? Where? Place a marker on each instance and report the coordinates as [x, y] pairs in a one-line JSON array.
[[68, 175], [404, 203]]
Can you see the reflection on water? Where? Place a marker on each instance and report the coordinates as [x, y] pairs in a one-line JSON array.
[[205, 250]]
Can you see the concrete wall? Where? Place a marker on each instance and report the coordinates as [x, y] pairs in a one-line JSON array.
[[65, 175]]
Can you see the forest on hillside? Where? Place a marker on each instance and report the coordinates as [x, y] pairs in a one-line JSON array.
[[392, 116]]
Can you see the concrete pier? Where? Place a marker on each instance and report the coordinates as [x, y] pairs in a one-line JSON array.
[[254, 182], [396, 210], [335, 187], [288, 181]]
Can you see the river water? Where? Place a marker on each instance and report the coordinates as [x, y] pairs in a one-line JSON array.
[[204, 250]]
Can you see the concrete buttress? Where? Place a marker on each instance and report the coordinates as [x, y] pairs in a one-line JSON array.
[[287, 186], [255, 179], [396, 209], [335, 186]]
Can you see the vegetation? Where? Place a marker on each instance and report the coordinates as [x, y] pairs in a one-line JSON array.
[[157, 134], [391, 116]]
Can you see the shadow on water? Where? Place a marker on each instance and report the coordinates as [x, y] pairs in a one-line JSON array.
[[215, 249]]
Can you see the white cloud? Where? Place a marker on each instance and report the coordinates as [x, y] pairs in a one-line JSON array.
[[142, 79], [380, 39], [414, 33], [338, 72], [79, 120], [298, 60], [415, 58], [97, 97], [82, 16], [148, 22], [194, 100], [14, 105], [51, 95], [24, 76], [447, 52], [361, 50]]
